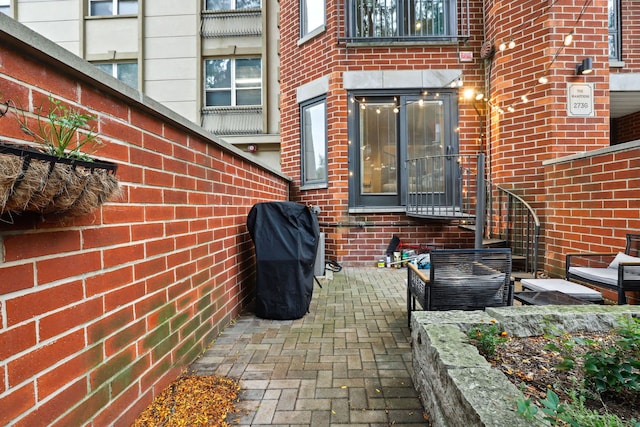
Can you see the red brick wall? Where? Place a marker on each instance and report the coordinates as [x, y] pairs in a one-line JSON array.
[[625, 129], [327, 55], [99, 313], [592, 202], [516, 142], [630, 26], [542, 129]]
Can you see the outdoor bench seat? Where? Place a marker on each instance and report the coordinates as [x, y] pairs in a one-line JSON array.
[[619, 272], [461, 279]]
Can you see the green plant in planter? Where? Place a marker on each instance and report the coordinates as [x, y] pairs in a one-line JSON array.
[[487, 338], [63, 131], [60, 177]]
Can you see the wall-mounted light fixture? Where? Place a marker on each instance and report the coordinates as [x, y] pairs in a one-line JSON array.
[[585, 67], [252, 148]]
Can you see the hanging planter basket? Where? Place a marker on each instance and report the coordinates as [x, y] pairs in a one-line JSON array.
[[33, 181]]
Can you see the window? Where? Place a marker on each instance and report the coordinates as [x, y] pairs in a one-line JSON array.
[[220, 5], [312, 16], [126, 72], [614, 30], [314, 142], [388, 130], [231, 82], [5, 7], [113, 7], [393, 19]]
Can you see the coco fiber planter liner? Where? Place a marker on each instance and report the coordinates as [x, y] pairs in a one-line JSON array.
[[33, 181]]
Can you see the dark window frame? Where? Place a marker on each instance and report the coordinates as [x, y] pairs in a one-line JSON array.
[[615, 31], [323, 180], [304, 30], [404, 27], [451, 118]]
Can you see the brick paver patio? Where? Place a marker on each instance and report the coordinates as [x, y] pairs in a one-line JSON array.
[[347, 362]]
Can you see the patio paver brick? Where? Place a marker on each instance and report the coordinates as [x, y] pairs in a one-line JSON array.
[[345, 363]]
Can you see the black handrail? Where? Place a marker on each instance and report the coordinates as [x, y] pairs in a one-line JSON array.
[[507, 216]]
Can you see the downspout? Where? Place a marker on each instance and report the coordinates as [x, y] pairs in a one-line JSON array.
[[481, 203]]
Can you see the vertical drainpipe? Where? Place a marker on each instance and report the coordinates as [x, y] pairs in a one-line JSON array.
[[265, 34], [481, 202]]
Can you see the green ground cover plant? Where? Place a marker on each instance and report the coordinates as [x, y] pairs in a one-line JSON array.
[[599, 370]]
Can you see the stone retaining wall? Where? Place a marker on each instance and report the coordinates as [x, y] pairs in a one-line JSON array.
[[458, 387]]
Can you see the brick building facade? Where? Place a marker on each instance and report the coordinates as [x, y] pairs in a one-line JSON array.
[[396, 75], [98, 313]]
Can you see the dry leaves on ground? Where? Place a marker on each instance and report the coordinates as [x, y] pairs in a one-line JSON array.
[[192, 401], [526, 361]]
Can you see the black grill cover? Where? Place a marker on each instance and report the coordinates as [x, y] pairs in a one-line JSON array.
[[285, 235]]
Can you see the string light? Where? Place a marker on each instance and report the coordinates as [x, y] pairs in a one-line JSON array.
[[469, 93], [568, 39], [506, 45], [544, 77]]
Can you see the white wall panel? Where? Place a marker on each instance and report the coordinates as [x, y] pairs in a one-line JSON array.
[[170, 69], [171, 7], [167, 26], [104, 35], [57, 20], [162, 47], [173, 91]]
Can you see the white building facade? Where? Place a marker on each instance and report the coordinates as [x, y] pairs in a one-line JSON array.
[[213, 61]]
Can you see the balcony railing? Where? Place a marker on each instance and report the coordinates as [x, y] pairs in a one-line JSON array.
[[232, 120], [415, 21], [453, 187], [231, 24]]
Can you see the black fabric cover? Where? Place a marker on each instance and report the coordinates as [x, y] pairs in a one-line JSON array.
[[285, 235]]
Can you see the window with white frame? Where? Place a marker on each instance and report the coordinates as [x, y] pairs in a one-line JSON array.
[[314, 142], [312, 16], [220, 5], [126, 72], [113, 7], [5, 7], [233, 82], [615, 33], [393, 19]]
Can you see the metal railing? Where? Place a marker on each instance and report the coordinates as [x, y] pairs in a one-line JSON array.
[[231, 24], [449, 186], [242, 120], [441, 186], [511, 219], [381, 21]]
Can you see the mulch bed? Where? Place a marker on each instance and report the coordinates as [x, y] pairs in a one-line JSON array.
[[526, 361]]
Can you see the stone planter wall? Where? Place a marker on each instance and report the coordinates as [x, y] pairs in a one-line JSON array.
[[457, 386]]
